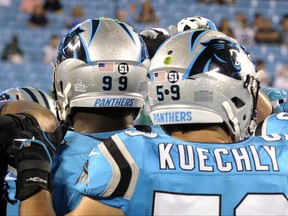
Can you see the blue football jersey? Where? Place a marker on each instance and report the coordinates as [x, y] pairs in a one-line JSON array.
[[67, 164], [150, 174], [275, 123]]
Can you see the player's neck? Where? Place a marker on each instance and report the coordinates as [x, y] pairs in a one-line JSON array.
[[264, 107], [93, 123], [206, 136]]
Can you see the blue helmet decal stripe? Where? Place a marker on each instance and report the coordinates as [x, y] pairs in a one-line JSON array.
[[143, 55], [127, 30], [219, 58], [130, 35], [211, 25], [188, 70], [94, 27], [206, 68], [219, 46], [187, 73], [195, 36], [83, 51], [44, 99]]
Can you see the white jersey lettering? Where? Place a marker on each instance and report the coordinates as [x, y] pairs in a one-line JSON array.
[[206, 160]]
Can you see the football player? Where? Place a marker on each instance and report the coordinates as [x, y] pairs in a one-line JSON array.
[[204, 93], [23, 93], [100, 84], [205, 99], [16, 116]]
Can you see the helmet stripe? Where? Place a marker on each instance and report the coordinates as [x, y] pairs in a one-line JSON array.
[[31, 94], [195, 37], [141, 58], [44, 99], [94, 26], [127, 30]]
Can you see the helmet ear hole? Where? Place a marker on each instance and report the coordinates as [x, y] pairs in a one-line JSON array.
[[61, 86], [237, 102]]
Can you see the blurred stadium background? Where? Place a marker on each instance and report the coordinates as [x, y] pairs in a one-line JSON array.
[[35, 73]]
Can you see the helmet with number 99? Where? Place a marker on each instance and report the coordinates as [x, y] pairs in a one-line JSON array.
[[194, 23], [31, 94], [203, 76], [101, 62]]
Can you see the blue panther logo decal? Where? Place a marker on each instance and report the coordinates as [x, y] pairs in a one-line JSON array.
[[72, 45], [219, 54]]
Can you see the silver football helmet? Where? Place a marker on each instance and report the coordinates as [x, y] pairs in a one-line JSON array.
[[31, 94], [101, 62], [194, 23], [203, 76]]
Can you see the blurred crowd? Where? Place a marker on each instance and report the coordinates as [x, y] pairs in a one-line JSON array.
[[260, 30]]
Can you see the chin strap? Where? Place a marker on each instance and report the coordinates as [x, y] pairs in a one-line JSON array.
[[253, 85], [62, 107]]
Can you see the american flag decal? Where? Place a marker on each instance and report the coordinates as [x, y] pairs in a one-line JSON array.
[[106, 66], [159, 76]]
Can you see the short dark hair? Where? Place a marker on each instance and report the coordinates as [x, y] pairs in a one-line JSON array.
[[116, 112]]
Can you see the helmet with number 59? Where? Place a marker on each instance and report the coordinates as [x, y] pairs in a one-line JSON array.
[[203, 76], [101, 62]]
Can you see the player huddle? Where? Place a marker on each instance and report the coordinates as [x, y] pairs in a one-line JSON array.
[[209, 150]]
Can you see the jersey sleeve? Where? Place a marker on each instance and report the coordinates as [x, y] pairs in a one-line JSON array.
[[96, 174], [10, 186], [107, 175]]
